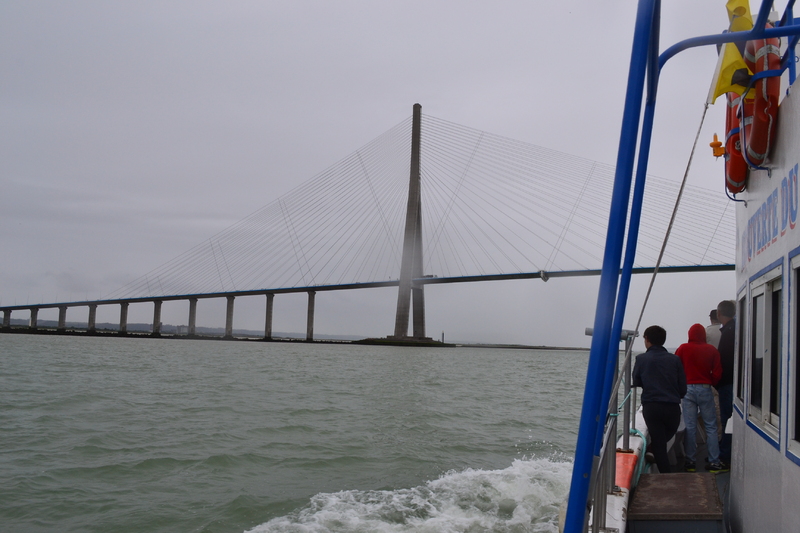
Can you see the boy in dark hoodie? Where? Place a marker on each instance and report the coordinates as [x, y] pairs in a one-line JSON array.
[[663, 382], [703, 368]]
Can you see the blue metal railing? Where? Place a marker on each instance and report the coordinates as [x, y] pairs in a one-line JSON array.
[[645, 66], [588, 445]]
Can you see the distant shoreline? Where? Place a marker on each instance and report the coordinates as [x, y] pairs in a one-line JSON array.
[[252, 337], [520, 346]]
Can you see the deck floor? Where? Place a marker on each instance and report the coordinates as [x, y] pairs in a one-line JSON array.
[[680, 501]]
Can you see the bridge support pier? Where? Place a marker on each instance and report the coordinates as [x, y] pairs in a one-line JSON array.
[[411, 262], [62, 318], [123, 318], [91, 327], [33, 323], [229, 318], [310, 318], [268, 319], [6, 318], [156, 318], [192, 317]]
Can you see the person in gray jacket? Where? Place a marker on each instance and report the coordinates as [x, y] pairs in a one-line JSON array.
[[660, 375]]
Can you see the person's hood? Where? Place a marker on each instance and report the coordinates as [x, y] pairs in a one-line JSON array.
[[697, 333]]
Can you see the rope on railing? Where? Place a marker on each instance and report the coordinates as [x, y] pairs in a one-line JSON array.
[[640, 463], [621, 405]]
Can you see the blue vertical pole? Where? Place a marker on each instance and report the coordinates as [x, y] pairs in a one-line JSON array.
[[789, 18], [633, 224], [584, 456], [627, 267]]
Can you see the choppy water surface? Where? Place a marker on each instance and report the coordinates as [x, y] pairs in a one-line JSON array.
[[158, 435]]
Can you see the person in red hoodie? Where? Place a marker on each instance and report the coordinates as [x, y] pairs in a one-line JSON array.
[[703, 368]]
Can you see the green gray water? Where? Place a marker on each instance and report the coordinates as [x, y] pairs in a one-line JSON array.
[[158, 435]]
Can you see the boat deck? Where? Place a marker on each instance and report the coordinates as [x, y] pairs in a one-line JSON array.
[[676, 502], [680, 501]]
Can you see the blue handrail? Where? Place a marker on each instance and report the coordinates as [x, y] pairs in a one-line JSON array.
[[587, 444], [645, 65]]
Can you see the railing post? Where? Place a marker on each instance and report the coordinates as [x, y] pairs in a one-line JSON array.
[[626, 371], [604, 466], [611, 462]]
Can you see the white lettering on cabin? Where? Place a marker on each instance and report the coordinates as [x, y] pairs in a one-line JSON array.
[[776, 216]]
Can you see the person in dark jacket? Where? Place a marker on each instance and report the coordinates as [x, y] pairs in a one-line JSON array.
[[662, 379], [703, 369], [726, 313]]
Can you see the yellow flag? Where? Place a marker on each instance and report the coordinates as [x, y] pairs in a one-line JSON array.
[[739, 15], [730, 59]]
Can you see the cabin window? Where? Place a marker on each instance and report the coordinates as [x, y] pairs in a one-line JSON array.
[[766, 338], [741, 322], [795, 391], [776, 339], [757, 350]]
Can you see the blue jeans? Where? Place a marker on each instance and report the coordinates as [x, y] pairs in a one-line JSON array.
[[700, 397], [725, 412]]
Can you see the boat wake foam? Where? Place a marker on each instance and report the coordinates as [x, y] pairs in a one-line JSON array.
[[524, 497]]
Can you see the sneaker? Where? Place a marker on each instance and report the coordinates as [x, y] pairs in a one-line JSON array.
[[689, 466], [718, 467]]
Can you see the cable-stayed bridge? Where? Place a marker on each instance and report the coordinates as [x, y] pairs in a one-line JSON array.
[[428, 201]]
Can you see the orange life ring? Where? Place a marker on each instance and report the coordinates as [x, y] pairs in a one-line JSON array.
[[759, 123], [735, 166]]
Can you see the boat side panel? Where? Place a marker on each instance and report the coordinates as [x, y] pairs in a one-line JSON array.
[[765, 483], [760, 472]]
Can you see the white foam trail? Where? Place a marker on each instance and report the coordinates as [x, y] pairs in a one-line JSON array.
[[521, 498]]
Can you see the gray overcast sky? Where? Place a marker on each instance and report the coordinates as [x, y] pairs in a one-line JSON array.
[[129, 132]]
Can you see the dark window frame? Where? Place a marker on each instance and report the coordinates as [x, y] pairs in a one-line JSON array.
[[764, 352]]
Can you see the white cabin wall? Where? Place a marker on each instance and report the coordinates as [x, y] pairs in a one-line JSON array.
[[762, 479], [790, 506], [736, 498], [765, 483]]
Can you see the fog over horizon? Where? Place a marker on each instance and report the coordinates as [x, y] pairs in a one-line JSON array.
[[131, 133]]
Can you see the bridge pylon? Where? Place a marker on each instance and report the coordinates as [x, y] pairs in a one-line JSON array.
[[411, 264]]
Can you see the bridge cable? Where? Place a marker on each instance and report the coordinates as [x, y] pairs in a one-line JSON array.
[[629, 348], [491, 205], [716, 228], [289, 226], [437, 232], [222, 284], [554, 252]]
